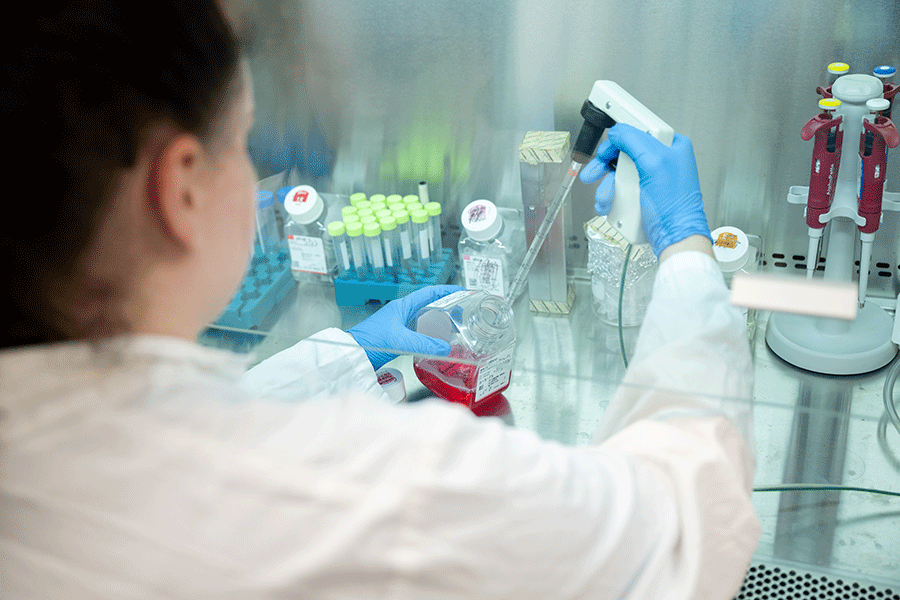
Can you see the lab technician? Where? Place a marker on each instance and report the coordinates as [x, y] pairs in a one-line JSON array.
[[137, 464]]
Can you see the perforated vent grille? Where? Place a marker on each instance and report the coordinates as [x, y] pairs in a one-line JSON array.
[[776, 583]]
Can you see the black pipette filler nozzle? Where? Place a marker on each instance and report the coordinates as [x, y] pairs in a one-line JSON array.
[[595, 123]]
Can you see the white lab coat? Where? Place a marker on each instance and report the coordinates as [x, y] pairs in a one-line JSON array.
[[139, 468]]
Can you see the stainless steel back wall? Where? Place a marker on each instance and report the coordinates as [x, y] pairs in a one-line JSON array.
[[376, 96]]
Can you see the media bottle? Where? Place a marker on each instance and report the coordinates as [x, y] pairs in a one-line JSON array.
[[737, 252], [491, 248], [312, 258], [479, 328]]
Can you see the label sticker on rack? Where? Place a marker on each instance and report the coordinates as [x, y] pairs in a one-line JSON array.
[[495, 373], [307, 254], [484, 274]]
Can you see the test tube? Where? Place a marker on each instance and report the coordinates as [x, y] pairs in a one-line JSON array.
[[395, 206], [357, 198], [337, 231], [404, 232], [394, 198], [368, 219], [358, 249], [376, 198], [348, 210], [411, 199], [434, 213], [364, 212], [373, 250], [383, 213], [350, 218], [422, 250], [390, 239], [423, 192], [266, 223]]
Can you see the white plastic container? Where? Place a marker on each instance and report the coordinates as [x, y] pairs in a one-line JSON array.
[[479, 328], [491, 249], [736, 252], [312, 258]]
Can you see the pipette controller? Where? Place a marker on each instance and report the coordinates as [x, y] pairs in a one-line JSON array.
[[607, 105]]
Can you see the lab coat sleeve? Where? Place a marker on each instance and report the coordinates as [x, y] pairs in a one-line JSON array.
[[325, 364], [683, 418]]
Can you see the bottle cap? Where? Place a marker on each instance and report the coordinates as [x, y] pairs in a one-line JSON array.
[[304, 204], [376, 198], [393, 199], [282, 193], [433, 209], [363, 204], [387, 223], [371, 229], [357, 198], [731, 247], [354, 228], [481, 220], [395, 206], [884, 72], [351, 218], [368, 219], [410, 199], [419, 216], [348, 210], [829, 103], [383, 213], [402, 216], [336, 228], [838, 68], [264, 199], [365, 212], [391, 381], [878, 104], [376, 206]]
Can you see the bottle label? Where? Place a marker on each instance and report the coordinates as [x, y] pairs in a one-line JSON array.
[[484, 274], [495, 373], [307, 254], [450, 299]]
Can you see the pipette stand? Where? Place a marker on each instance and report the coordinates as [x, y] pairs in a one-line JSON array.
[[834, 346], [541, 157]]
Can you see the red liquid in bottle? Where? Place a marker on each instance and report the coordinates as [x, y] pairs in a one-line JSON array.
[[456, 382]]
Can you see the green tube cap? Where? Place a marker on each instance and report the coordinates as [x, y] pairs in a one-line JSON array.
[[388, 223], [433, 209], [336, 228], [354, 228], [401, 216], [371, 229], [368, 219], [357, 198], [376, 198], [419, 216]]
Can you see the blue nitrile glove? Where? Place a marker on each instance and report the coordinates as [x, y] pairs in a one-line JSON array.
[[671, 202], [387, 330]]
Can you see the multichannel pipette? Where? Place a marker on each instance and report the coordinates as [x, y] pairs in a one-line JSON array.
[[607, 105]]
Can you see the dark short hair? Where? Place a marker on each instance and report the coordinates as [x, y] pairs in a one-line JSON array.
[[82, 81]]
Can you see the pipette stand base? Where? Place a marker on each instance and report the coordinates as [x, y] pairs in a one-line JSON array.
[[355, 292], [806, 342]]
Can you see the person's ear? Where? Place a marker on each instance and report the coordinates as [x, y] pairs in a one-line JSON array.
[[175, 189]]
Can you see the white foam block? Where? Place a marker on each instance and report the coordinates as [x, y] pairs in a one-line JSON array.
[[795, 295]]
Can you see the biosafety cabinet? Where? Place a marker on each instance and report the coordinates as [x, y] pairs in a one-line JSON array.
[[377, 98]]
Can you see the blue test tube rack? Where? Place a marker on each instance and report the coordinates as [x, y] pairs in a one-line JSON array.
[[349, 291], [267, 282]]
